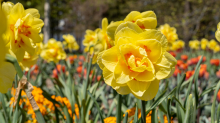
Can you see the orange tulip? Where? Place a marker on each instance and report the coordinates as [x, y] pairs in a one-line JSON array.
[[184, 57], [218, 73], [215, 62]]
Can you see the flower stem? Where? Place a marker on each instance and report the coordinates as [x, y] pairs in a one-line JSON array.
[[143, 114], [119, 109]]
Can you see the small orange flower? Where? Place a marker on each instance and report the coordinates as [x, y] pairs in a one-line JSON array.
[[203, 59], [184, 66], [206, 75], [215, 62], [184, 57], [189, 74], [179, 62], [176, 72], [173, 54]]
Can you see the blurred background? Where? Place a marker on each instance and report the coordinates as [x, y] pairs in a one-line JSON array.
[[193, 19]]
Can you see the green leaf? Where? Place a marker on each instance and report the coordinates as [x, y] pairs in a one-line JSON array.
[[190, 110], [207, 91], [125, 118], [2, 118], [168, 110], [97, 106], [213, 112], [136, 115], [218, 114], [154, 116], [118, 115], [159, 100]]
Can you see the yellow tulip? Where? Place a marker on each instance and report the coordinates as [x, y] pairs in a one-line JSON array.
[[178, 45], [217, 33], [194, 44], [70, 42], [23, 29], [90, 40], [137, 62], [212, 44], [145, 20], [169, 32], [7, 70], [204, 43], [53, 51], [28, 61]]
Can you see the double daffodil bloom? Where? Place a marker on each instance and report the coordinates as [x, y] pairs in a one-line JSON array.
[[7, 70], [204, 43], [90, 40], [28, 61], [137, 62], [169, 32], [178, 45], [53, 51], [145, 20], [217, 33], [212, 44], [194, 44], [70, 42], [23, 31]]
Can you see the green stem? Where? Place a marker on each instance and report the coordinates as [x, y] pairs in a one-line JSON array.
[[143, 113], [119, 109]]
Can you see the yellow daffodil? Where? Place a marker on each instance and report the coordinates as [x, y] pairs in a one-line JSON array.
[[28, 61], [178, 45], [137, 62], [3, 23], [53, 51], [145, 20], [212, 44], [194, 44], [104, 41], [23, 29], [70, 42], [7, 70], [217, 33], [39, 48], [204, 43], [169, 32], [90, 40], [216, 49]]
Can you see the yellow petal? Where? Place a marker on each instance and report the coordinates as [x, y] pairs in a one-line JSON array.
[[123, 74], [7, 7], [27, 44], [147, 23], [33, 12], [148, 14], [138, 88], [217, 33], [99, 60], [111, 29], [123, 90], [35, 36], [104, 24], [110, 58], [126, 32], [155, 34], [133, 16], [167, 60], [152, 47], [108, 76], [37, 23], [7, 75], [146, 76], [130, 25], [17, 11], [151, 92]]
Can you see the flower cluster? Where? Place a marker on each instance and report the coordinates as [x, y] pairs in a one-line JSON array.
[[70, 42], [53, 51], [137, 62], [205, 45]]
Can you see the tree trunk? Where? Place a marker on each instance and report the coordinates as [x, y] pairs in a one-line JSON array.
[[46, 21]]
